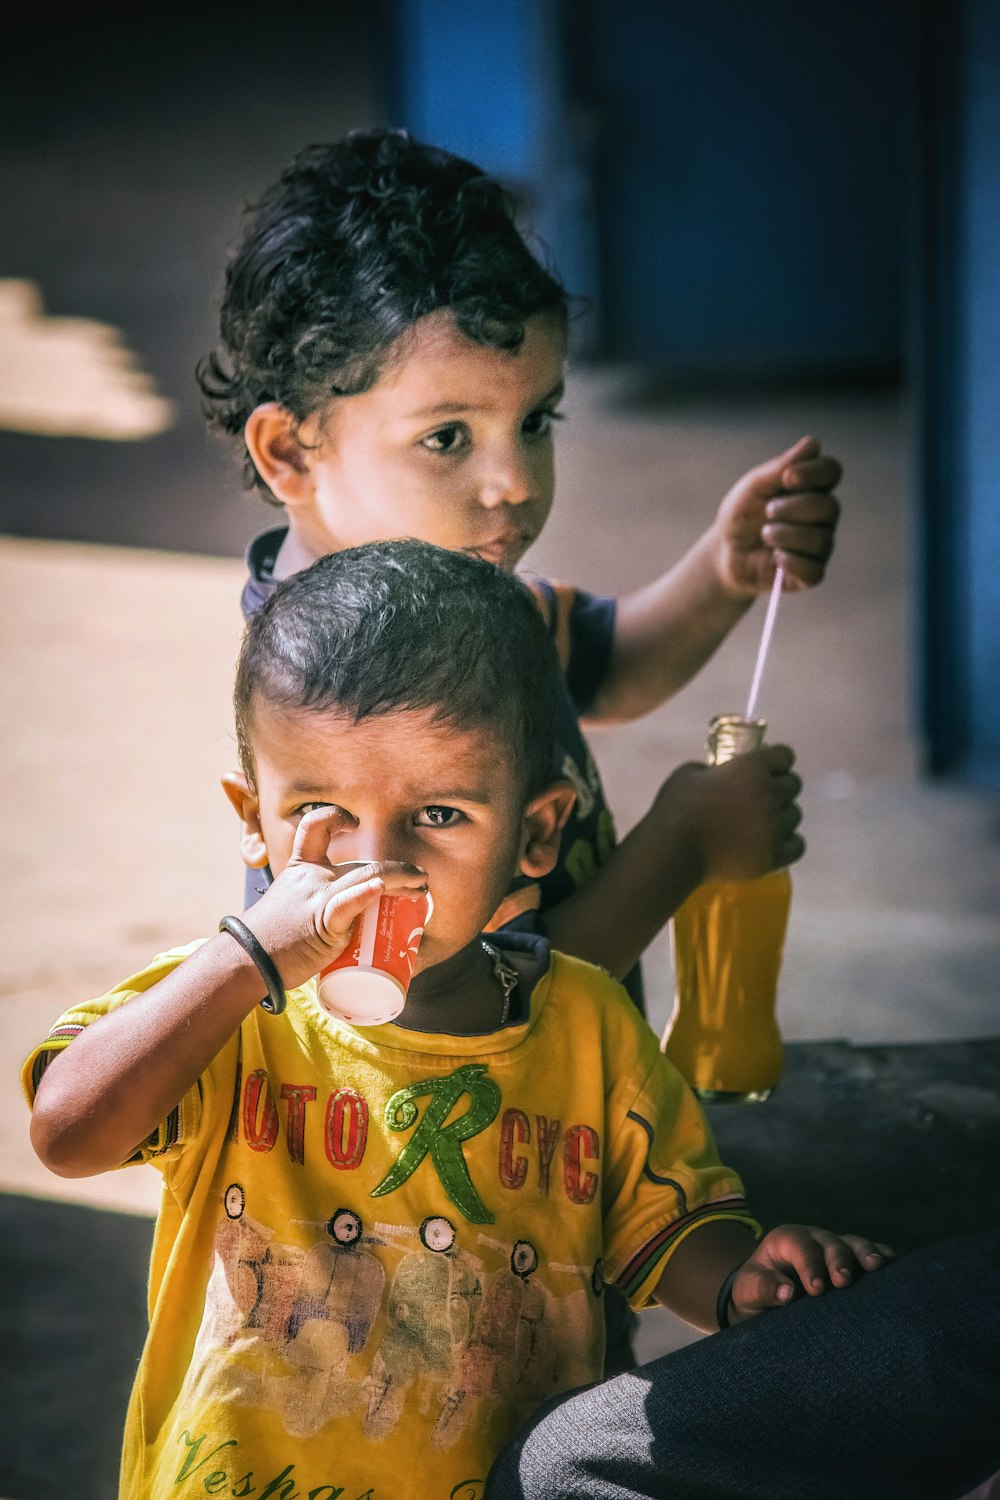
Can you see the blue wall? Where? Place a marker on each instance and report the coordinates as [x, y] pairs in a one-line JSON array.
[[959, 391], [489, 81], [723, 179], [472, 78], [751, 183]]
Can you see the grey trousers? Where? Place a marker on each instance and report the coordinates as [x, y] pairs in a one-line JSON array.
[[889, 1390]]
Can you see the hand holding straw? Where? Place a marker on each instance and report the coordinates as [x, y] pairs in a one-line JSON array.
[[765, 640]]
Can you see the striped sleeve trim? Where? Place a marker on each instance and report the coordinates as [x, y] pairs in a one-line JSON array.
[[555, 602], [58, 1038], [159, 1141], [644, 1262]]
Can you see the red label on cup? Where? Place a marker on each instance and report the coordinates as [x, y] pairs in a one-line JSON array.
[[367, 984]]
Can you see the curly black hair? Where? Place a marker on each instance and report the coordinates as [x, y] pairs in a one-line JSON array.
[[396, 626], [354, 244]]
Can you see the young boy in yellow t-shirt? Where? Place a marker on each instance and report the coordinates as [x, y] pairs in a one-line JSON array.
[[379, 1249]]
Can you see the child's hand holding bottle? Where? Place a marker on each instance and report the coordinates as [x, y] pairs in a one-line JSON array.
[[738, 819]]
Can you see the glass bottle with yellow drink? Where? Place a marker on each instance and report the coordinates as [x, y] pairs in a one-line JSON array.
[[727, 941]]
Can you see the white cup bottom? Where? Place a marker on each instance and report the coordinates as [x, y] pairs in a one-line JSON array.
[[361, 995]]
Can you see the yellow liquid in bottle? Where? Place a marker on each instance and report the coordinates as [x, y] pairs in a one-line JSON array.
[[727, 940]]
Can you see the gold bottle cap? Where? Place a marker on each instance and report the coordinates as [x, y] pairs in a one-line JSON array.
[[732, 734]]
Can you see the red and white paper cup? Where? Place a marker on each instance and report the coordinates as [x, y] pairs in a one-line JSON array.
[[367, 984]]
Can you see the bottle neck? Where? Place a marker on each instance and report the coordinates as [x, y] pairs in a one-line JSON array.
[[730, 735]]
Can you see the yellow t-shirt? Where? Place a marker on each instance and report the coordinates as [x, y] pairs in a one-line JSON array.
[[379, 1250]]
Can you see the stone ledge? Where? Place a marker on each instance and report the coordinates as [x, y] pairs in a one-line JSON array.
[[898, 1142]]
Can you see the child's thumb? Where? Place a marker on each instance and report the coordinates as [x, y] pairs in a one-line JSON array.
[[772, 473], [757, 1289]]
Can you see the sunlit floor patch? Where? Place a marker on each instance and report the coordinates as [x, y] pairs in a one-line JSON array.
[[71, 377]]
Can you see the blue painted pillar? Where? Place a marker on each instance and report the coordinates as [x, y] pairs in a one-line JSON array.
[[959, 390], [486, 80]]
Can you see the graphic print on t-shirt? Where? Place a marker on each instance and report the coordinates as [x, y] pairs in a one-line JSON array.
[[368, 1315]]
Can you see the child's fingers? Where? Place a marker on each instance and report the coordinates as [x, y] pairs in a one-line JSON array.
[[398, 876], [809, 543], [768, 478], [343, 907], [812, 473], [800, 1256], [786, 786], [361, 884], [789, 819], [800, 572], [869, 1253], [790, 851], [823, 1259], [798, 1250], [811, 508], [842, 1264], [313, 835], [392, 875], [758, 1288], [779, 760]]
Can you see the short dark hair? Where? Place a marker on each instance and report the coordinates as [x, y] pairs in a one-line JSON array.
[[406, 625], [353, 245]]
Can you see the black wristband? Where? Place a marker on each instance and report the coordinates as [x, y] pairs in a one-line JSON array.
[[275, 999], [723, 1299]]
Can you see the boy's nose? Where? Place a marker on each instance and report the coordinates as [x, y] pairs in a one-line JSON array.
[[507, 481], [357, 846], [374, 852]]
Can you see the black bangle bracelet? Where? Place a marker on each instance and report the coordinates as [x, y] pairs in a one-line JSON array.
[[723, 1299], [275, 999]]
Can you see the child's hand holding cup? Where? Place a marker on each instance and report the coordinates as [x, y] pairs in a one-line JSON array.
[[367, 984]]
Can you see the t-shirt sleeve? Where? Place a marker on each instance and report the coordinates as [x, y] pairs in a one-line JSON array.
[[181, 1125], [583, 628], [663, 1177]]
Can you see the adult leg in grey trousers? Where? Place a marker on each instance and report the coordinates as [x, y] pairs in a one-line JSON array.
[[889, 1390]]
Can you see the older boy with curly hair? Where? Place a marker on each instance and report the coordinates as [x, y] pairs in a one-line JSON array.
[[392, 359]]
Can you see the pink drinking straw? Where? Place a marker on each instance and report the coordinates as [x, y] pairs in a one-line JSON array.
[[765, 641]]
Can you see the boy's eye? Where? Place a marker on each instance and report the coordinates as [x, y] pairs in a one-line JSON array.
[[539, 423], [307, 807], [446, 439], [438, 817]]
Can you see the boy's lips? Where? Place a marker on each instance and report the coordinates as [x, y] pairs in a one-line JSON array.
[[502, 548]]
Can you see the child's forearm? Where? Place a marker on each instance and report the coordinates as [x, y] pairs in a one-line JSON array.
[[731, 822], [612, 919], [695, 1272], [665, 633], [104, 1094]]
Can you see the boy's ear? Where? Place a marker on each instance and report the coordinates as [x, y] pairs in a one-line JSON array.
[[280, 457], [544, 819], [243, 797]]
